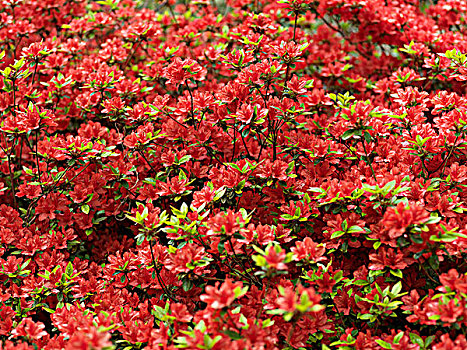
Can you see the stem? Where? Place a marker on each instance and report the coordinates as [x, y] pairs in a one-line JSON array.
[[368, 161], [133, 51], [159, 7], [424, 169], [337, 29], [159, 278], [37, 164], [287, 74], [172, 12], [34, 75], [428, 275], [75, 176], [246, 148], [449, 155], [14, 96], [261, 148], [20, 158], [234, 141], [12, 180], [254, 280], [274, 151], [31, 205], [191, 98], [233, 322], [176, 121], [147, 161], [11, 173], [289, 335], [213, 155], [295, 27]]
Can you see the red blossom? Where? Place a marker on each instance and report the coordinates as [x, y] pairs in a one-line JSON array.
[[220, 297], [243, 174]]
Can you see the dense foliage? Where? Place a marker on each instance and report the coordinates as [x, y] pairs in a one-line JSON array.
[[240, 174]]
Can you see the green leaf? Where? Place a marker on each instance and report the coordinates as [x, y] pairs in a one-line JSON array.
[[221, 247], [187, 285], [397, 273], [25, 264], [348, 134], [416, 339], [367, 136], [219, 193], [366, 316], [384, 344], [85, 208], [337, 234], [396, 289], [389, 187], [50, 311], [354, 229], [429, 340], [140, 239], [434, 262], [338, 276], [398, 337], [344, 225], [361, 283], [232, 334], [182, 175], [69, 269]]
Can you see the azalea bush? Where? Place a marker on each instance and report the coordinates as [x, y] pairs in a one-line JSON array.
[[239, 174]]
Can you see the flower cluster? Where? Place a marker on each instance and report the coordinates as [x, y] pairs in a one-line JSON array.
[[233, 174]]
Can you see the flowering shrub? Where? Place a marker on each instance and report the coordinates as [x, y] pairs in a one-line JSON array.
[[233, 174]]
